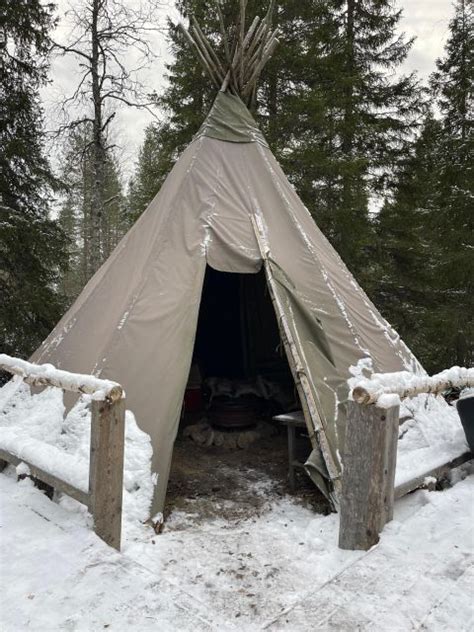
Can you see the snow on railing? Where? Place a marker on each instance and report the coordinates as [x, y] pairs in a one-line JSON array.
[[48, 375], [370, 450], [105, 486], [387, 389]]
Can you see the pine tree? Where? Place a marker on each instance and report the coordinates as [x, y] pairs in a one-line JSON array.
[[76, 177], [32, 246], [105, 36], [116, 219]]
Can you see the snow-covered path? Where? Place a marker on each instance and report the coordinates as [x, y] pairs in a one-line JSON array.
[[57, 575], [278, 571], [419, 577]]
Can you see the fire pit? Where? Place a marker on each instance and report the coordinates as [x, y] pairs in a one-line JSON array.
[[234, 413]]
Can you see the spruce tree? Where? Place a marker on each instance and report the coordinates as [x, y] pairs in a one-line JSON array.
[[32, 245], [151, 170], [426, 231], [77, 175], [453, 225], [371, 113], [407, 291]]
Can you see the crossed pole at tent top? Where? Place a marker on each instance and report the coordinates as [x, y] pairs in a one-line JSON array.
[[245, 53]]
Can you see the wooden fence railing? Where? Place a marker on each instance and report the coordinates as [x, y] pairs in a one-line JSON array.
[[370, 453], [104, 495]]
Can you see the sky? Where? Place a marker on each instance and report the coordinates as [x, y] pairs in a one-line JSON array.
[[426, 20]]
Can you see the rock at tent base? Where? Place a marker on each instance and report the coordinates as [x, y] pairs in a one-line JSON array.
[[218, 439], [230, 440], [205, 435], [191, 431], [210, 438], [243, 440]]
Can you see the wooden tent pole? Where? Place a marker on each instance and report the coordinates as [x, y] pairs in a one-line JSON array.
[[243, 6], [202, 59], [223, 33], [207, 46], [313, 418], [244, 59]]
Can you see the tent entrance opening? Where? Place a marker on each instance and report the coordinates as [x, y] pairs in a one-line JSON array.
[[228, 445], [239, 365]]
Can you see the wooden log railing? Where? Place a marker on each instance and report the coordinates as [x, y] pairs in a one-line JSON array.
[[404, 384], [105, 485], [370, 451]]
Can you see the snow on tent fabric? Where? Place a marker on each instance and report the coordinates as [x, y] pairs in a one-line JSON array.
[[203, 215], [228, 205]]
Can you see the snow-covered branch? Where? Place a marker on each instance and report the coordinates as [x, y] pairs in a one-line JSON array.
[[48, 375], [405, 384]]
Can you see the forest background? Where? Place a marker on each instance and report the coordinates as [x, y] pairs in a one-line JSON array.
[[381, 157]]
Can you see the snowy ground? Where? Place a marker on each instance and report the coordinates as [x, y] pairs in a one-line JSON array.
[[281, 570], [275, 567]]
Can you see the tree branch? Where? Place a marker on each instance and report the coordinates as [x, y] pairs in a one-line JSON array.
[[71, 49]]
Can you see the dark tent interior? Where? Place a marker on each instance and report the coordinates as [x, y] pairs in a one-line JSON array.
[[240, 379], [237, 334]]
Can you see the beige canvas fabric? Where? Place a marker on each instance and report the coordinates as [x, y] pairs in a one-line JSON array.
[[226, 203]]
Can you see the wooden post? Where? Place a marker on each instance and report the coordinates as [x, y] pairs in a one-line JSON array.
[[106, 469], [368, 478]]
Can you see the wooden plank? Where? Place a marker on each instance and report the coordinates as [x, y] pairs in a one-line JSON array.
[[46, 477], [368, 476], [106, 469], [436, 472]]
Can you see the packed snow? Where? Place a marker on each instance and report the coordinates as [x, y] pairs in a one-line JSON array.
[[279, 569]]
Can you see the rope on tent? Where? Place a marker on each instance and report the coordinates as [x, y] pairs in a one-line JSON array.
[[245, 53]]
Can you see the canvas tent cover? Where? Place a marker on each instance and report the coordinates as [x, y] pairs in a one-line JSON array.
[[226, 204]]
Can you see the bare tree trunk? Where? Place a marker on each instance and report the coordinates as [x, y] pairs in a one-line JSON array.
[[349, 209], [348, 131], [85, 228], [465, 73], [104, 32], [98, 151]]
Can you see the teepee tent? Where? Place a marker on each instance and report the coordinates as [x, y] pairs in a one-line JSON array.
[[226, 204]]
